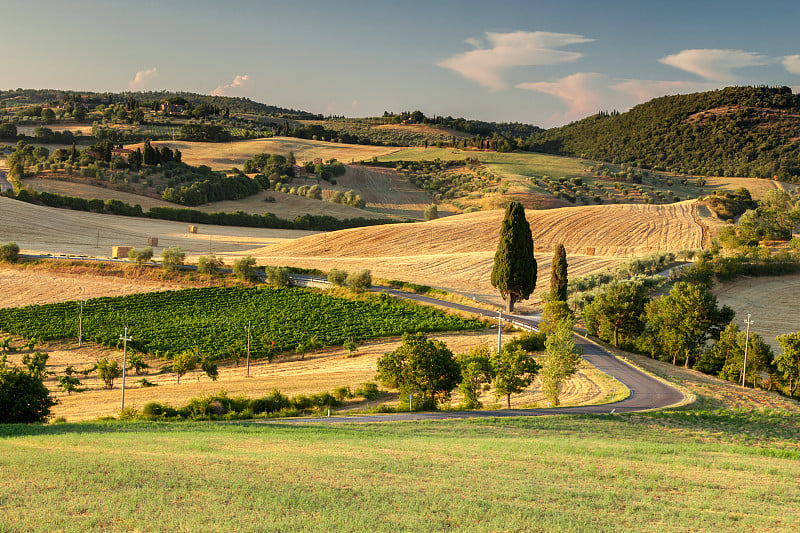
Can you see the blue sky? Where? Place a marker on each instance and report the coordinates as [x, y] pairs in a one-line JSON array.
[[539, 62]]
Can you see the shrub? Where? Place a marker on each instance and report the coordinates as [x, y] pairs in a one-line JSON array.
[[209, 264], [342, 393], [140, 257], [431, 212], [360, 281], [210, 367], [368, 391], [245, 268], [9, 252], [337, 277], [184, 362], [108, 371], [23, 396], [277, 276], [172, 258]]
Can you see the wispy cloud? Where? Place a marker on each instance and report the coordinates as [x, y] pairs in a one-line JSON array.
[[142, 79], [792, 63], [239, 82], [584, 93], [506, 50], [714, 65]]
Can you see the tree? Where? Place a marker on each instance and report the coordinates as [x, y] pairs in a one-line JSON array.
[[561, 360], [140, 257], [277, 276], [788, 362], [420, 364], [185, 362], [24, 399], [9, 252], [136, 362], [514, 370], [514, 271], [172, 258], [476, 373], [70, 384], [554, 311], [685, 320], [360, 281], [210, 367], [36, 364], [618, 310], [431, 212], [558, 275], [209, 264], [108, 371], [245, 268], [726, 348], [350, 346], [337, 277], [759, 360]]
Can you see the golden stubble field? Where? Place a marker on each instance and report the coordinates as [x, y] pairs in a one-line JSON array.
[[321, 371]]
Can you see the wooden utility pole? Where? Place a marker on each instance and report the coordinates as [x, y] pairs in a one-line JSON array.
[[746, 345], [124, 338]]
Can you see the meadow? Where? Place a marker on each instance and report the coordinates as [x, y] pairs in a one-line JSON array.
[[675, 471]]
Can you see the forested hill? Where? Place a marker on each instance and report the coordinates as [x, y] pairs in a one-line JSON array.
[[22, 97], [736, 131]]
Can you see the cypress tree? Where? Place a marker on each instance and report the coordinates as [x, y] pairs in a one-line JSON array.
[[558, 275], [514, 271]]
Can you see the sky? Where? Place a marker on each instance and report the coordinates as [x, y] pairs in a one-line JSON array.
[[538, 62]]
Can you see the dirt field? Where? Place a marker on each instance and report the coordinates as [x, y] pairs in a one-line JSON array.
[[38, 229], [757, 187], [319, 372], [772, 302], [224, 156]]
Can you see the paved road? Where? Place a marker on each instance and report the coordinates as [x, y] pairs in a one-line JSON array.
[[5, 185]]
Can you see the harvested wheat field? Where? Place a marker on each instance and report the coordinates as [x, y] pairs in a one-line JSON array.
[[47, 230], [771, 300], [224, 156], [757, 187], [319, 372]]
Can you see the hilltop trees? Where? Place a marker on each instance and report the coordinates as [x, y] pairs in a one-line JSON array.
[[514, 271]]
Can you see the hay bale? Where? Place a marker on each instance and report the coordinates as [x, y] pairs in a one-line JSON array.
[[152, 241], [192, 229], [590, 251], [120, 252]]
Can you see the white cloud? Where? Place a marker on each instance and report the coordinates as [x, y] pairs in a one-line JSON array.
[[506, 50], [644, 90], [584, 93], [714, 65], [792, 64], [239, 82], [142, 79]]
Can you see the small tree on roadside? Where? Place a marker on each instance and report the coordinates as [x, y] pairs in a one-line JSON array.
[[514, 271], [245, 268], [337, 277], [360, 281], [561, 360], [558, 275], [140, 257], [9, 252], [209, 264], [185, 362], [278, 276], [553, 313], [172, 258], [431, 212], [108, 371], [477, 372], [514, 370], [618, 312]]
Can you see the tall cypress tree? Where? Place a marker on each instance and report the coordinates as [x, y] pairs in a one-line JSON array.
[[514, 271], [558, 275]]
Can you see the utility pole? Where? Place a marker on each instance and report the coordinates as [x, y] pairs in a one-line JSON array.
[[249, 328], [80, 326], [124, 338], [499, 331], [748, 322]]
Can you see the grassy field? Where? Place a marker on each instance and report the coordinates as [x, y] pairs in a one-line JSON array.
[[678, 471]]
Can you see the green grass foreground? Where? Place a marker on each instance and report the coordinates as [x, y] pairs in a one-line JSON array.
[[681, 471]]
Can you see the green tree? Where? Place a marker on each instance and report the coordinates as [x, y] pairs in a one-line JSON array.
[[70, 384], [140, 257], [619, 310], [137, 363], [108, 371], [245, 268], [561, 360], [558, 275], [431, 212], [554, 311], [277, 276], [759, 360], [420, 364], [514, 271], [210, 367], [477, 373], [9, 252], [36, 364], [185, 362], [350, 346], [172, 258], [337, 277], [726, 348], [209, 264], [360, 281], [788, 362], [48, 115], [23, 397], [514, 370]]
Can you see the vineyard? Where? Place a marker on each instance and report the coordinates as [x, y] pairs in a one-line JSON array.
[[214, 320]]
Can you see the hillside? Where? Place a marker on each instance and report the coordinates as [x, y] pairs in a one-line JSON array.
[[736, 131]]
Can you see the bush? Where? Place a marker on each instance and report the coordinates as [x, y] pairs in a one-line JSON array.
[[184, 362], [140, 257], [23, 396], [172, 258], [368, 391], [431, 212], [108, 371], [337, 277], [277, 276], [9, 252], [209, 264], [245, 268], [360, 281]]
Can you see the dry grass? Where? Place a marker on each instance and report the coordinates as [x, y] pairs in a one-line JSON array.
[[223, 156], [319, 372], [771, 300], [757, 187]]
